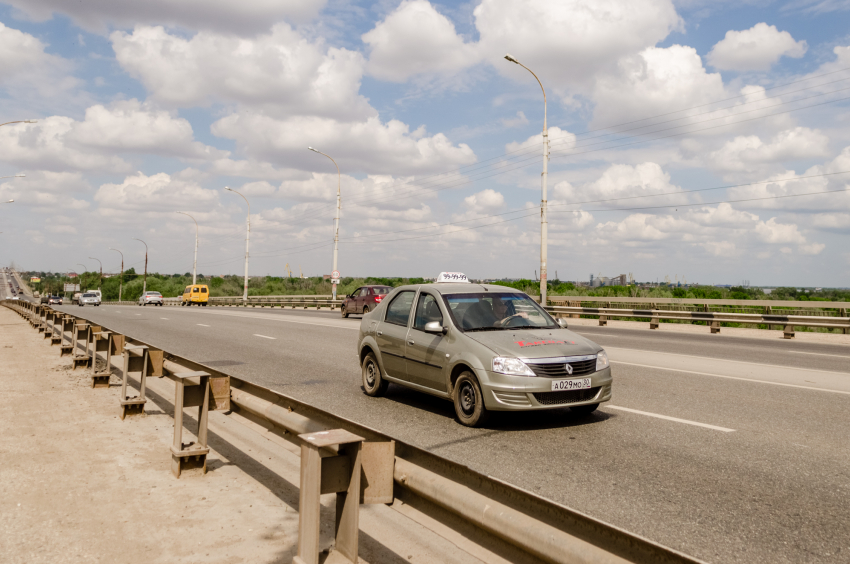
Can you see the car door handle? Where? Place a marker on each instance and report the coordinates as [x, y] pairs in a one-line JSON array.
[[380, 332], [410, 342]]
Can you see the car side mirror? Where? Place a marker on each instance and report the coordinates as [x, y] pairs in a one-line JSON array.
[[562, 322], [436, 327]]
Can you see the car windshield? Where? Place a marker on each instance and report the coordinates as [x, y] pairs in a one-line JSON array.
[[89, 295], [491, 311], [154, 294]]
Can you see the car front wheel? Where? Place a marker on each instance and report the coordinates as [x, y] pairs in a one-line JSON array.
[[469, 401], [344, 312], [373, 383]]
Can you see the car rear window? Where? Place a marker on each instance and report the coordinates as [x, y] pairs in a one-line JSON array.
[[381, 290], [203, 290]]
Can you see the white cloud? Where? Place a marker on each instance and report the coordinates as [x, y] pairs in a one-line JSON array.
[[754, 49], [245, 16], [568, 43], [748, 153], [559, 139], [517, 121], [47, 190], [771, 231], [26, 67], [486, 201], [654, 81], [415, 39], [142, 193], [720, 248], [136, 127], [280, 72], [43, 145], [361, 146], [621, 181]]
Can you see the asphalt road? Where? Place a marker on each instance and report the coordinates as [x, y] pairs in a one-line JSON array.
[[729, 449]]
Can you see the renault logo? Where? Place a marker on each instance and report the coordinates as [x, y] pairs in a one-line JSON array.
[[569, 368]]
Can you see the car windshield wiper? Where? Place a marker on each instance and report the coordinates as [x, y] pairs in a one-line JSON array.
[[485, 329], [534, 327]]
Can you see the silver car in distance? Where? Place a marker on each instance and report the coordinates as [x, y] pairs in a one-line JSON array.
[[484, 347]]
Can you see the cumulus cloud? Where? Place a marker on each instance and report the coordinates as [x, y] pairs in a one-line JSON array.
[[131, 126], [621, 181], [748, 153], [279, 72], [754, 49], [241, 17], [486, 201], [654, 81], [583, 36], [28, 68], [142, 193], [415, 39], [369, 146]]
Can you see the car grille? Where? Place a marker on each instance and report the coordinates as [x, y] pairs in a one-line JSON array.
[[558, 369], [562, 398]]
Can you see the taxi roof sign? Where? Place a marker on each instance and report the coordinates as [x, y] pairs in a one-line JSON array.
[[455, 277]]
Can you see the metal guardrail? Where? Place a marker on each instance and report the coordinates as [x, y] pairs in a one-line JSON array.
[[541, 528], [712, 319]]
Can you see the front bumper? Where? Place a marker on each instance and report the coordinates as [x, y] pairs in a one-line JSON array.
[[526, 393]]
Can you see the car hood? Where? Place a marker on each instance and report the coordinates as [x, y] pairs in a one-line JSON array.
[[535, 343]]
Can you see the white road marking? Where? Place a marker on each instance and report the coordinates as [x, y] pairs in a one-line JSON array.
[[279, 317], [264, 337], [732, 377], [821, 354], [722, 360], [165, 318], [676, 419], [138, 314], [202, 325]]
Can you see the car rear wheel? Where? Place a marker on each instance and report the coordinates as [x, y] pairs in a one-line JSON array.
[[584, 409], [469, 401], [373, 383], [365, 310], [344, 312]]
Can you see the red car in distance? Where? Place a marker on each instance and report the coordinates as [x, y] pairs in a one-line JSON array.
[[364, 299]]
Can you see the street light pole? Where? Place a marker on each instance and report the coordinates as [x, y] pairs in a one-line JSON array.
[[19, 121], [338, 207], [145, 279], [100, 281], [121, 283], [195, 266], [247, 241], [544, 221]]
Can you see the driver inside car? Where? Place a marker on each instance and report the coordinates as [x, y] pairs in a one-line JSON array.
[[504, 312]]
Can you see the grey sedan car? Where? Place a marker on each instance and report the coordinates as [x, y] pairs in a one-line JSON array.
[[484, 347], [89, 299]]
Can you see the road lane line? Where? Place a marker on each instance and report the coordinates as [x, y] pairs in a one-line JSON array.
[[676, 419], [202, 325], [726, 360], [278, 317], [732, 377], [165, 318], [821, 354], [264, 337]]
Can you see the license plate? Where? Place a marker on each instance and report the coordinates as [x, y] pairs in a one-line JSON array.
[[579, 384]]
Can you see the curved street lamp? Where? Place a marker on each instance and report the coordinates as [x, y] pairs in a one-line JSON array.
[[19, 121], [195, 265], [544, 222], [85, 269], [247, 240], [121, 283], [100, 280], [338, 206], [145, 279]]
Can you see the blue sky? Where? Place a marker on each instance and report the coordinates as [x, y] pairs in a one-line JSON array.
[[148, 109]]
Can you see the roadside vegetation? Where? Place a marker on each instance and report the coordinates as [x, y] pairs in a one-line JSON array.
[[171, 285]]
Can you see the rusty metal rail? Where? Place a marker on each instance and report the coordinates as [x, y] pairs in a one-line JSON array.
[[390, 469]]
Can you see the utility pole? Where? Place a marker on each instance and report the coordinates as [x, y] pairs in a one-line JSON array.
[[544, 221], [145, 279], [121, 283], [336, 219], [247, 241], [195, 265]]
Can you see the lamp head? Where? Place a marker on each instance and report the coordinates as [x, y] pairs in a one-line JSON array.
[[31, 121], [228, 188], [510, 58], [312, 149], [10, 201]]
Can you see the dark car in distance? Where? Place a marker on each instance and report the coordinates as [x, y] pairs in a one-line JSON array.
[[364, 299]]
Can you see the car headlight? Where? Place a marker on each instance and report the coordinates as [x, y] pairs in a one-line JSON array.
[[511, 366], [601, 360]]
